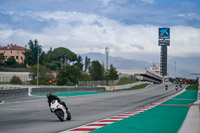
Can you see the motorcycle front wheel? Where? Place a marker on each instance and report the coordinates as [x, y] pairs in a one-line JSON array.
[[60, 114]]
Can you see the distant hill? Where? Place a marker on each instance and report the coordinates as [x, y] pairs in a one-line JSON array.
[[118, 62], [184, 65]]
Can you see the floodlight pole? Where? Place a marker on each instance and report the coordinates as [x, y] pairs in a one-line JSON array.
[[175, 69], [37, 65], [107, 52]]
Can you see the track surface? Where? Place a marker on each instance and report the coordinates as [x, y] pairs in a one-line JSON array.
[[32, 115]]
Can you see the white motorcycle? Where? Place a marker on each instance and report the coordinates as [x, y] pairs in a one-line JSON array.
[[60, 111]]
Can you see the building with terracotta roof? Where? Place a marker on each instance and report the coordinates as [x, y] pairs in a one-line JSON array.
[[13, 50]]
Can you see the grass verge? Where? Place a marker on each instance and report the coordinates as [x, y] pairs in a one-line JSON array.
[[125, 80], [192, 87], [1, 101], [135, 87]]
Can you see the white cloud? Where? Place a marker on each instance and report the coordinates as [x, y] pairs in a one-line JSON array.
[[83, 33], [189, 16]]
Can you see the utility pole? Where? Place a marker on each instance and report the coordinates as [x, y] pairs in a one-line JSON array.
[[175, 69], [37, 65], [61, 64], [65, 61], [107, 52]]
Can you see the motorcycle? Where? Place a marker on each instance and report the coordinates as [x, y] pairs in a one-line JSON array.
[[176, 87], [166, 87], [60, 111]]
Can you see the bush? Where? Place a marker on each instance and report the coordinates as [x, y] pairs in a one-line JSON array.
[[16, 80]]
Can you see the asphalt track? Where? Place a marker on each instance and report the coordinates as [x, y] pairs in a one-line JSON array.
[[32, 115]]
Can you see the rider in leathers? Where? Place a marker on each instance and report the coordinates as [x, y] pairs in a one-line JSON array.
[[54, 97]]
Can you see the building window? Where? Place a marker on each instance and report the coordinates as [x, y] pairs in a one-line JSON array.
[[4, 52], [21, 58], [11, 51], [17, 57]]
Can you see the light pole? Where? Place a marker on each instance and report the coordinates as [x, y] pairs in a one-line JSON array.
[[175, 69], [61, 63], [65, 60], [107, 52], [37, 65]]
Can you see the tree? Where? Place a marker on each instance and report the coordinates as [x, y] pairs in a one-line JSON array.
[[11, 61], [68, 75], [63, 53], [31, 56], [96, 71], [16, 80], [87, 63], [79, 63], [44, 74], [113, 74], [2, 59]]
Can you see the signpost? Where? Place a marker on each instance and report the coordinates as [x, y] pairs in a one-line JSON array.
[[164, 41]]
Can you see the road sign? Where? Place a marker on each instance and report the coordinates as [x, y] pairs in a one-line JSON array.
[[164, 33], [163, 42]]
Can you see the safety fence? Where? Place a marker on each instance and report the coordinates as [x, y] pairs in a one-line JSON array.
[[98, 82]]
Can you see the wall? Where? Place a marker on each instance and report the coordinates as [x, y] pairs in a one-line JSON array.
[[6, 77]]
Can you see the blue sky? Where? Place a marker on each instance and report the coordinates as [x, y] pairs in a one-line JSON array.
[[128, 27]]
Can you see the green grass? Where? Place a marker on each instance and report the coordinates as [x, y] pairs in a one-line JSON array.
[[135, 87], [125, 80], [192, 87], [1, 101]]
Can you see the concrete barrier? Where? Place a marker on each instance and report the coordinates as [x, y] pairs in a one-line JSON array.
[[192, 120], [121, 87], [191, 123], [35, 91], [12, 90]]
